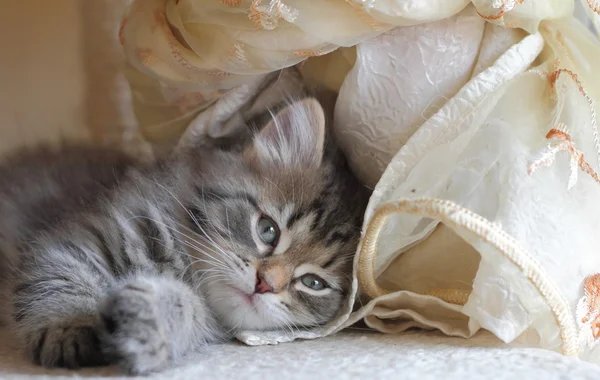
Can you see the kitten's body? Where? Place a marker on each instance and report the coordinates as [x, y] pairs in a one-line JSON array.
[[105, 260]]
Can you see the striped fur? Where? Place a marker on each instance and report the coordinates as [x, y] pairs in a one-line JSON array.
[[107, 261]]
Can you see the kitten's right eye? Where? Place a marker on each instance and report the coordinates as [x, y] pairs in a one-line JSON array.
[[268, 231], [313, 281]]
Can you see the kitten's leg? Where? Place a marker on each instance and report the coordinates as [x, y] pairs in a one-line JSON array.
[[151, 321], [55, 306]]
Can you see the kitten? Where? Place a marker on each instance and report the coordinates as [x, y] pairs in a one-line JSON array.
[[108, 261]]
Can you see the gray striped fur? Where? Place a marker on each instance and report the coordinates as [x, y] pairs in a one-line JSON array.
[[108, 261]]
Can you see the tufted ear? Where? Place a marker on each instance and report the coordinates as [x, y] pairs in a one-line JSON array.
[[294, 138]]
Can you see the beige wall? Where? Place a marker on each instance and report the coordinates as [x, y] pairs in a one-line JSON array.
[[41, 73], [59, 71]]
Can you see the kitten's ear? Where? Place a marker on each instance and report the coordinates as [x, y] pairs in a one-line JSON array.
[[295, 137]]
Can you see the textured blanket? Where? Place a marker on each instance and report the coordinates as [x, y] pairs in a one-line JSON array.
[[353, 354]]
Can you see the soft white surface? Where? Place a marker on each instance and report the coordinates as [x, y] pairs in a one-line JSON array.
[[352, 355]]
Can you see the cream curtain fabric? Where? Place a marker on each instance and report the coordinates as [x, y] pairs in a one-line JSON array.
[[185, 53], [508, 166], [475, 122]]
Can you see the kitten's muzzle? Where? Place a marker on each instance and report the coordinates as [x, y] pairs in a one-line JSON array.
[[262, 286], [271, 279]]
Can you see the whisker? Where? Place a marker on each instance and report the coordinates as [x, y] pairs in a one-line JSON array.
[[190, 214], [181, 233]]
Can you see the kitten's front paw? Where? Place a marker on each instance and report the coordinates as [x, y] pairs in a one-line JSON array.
[[69, 346], [131, 330]]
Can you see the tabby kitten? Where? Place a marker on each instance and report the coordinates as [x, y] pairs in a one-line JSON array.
[[107, 261]]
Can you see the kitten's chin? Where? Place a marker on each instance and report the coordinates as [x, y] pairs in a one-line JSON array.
[[237, 310]]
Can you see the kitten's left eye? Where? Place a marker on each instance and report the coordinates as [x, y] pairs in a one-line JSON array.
[[268, 231], [313, 282]]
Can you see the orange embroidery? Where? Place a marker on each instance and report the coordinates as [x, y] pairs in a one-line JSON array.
[[255, 15], [231, 3], [365, 17], [592, 105], [239, 52], [267, 17], [507, 6], [563, 143], [236, 50], [556, 73], [218, 73], [594, 6], [309, 53], [122, 30], [161, 21], [146, 56], [588, 311], [555, 133], [135, 8]]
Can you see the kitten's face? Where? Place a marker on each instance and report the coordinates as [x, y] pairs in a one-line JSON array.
[[279, 227]]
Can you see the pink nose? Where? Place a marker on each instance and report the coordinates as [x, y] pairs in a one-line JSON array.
[[262, 286]]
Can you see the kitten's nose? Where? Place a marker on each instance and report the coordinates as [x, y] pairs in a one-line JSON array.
[[262, 286]]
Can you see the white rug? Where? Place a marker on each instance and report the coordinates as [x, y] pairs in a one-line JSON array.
[[349, 355]]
